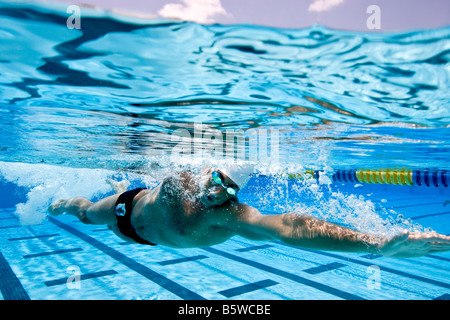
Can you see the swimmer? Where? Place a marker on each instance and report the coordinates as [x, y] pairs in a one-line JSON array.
[[186, 211]]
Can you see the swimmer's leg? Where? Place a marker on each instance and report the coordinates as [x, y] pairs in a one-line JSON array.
[[100, 212]]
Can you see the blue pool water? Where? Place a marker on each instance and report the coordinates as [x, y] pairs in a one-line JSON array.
[[36, 259], [79, 106]]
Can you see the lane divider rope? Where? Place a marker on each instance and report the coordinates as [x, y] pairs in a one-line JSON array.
[[403, 177]]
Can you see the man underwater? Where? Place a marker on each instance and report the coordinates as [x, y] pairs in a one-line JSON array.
[[186, 211]]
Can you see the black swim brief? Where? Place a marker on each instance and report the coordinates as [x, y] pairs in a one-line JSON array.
[[123, 209]]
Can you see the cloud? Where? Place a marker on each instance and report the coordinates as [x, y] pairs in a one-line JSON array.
[[324, 5], [201, 11]]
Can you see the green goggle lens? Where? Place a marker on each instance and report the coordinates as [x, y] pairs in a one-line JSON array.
[[218, 180], [231, 191]]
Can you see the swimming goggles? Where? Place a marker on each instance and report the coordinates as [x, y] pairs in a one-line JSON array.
[[217, 178]]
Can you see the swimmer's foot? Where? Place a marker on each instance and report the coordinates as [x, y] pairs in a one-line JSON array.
[[57, 208], [118, 187]]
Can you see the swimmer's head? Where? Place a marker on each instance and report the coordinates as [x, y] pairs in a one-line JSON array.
[[240, 174], [219, 186]]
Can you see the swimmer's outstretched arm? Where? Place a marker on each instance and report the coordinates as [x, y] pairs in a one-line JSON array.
[[309, 232]]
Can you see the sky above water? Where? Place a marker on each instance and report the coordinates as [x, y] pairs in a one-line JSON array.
[[393, 15]]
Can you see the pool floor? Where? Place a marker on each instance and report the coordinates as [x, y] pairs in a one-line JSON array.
[[63, 259]]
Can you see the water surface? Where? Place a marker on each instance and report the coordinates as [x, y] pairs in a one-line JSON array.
[[110, 94]]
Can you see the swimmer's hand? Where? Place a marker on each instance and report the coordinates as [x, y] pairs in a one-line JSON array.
[[414, 244]]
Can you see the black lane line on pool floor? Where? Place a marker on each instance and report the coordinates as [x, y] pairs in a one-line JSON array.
[[264, 246], [246, 288], [324, 268], [85, 276], [10, 285], [35, 237], [189, 294], [367, 264], [181, 260], [430, 215], [153, 276], [287, 275], [49, 253]]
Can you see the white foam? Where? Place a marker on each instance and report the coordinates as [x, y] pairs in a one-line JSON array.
[[356, 212], [48, 183]]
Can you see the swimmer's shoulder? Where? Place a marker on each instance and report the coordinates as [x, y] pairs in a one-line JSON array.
[[177, 180], [176, 186], [240, 209], [234, 209]]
